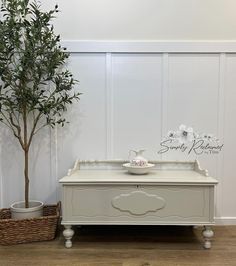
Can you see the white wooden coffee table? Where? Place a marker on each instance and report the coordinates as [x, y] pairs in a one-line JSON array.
[[103, 193]]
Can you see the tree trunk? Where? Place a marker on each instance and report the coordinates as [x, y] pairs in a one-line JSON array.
[[26, 151], [26, 172]]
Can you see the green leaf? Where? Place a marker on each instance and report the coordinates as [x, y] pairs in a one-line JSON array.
[[31, 63]]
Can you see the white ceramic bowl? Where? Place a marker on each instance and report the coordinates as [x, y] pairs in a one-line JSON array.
[[138, 170]]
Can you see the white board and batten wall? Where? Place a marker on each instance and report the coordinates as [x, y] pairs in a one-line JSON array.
[[134, 91]]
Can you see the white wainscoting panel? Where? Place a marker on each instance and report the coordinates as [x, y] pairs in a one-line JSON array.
[[192, 99], [193, 89], [133, 93], [42, 183], [137, 86], [229, 177], [12, 168], [85, 136]]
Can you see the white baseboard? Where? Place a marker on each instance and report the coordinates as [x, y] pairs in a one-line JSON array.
[[225, 220]]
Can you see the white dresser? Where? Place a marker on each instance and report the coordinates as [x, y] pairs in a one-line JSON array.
[[173, 193]]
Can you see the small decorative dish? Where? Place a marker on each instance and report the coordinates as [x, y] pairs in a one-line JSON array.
[[138, 170]]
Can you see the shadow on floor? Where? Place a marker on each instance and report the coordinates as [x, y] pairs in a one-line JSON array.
[[127, 233]]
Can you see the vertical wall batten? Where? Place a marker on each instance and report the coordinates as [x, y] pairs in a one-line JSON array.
[[164, 92], [109, 107], [54, 160]]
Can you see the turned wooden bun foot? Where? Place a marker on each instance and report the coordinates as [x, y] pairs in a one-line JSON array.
[[68, 234], [207, 234]]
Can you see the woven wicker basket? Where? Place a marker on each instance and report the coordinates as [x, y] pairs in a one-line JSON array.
[[14, 231]]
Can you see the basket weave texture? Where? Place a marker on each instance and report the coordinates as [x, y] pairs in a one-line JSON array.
[[13, 231]]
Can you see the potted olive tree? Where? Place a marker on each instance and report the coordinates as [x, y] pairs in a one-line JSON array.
[[35, 89]]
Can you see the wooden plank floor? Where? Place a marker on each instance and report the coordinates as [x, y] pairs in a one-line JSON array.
[[128, 246]]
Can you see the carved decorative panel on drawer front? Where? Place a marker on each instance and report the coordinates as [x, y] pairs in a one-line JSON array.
[[129, 203], [138, 202]]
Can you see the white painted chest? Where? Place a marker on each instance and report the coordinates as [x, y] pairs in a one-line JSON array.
[[173, 193]]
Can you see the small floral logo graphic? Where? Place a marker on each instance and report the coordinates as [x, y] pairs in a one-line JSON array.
[[185, 139]]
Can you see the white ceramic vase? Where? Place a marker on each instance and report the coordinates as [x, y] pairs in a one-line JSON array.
[[18, 210]]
